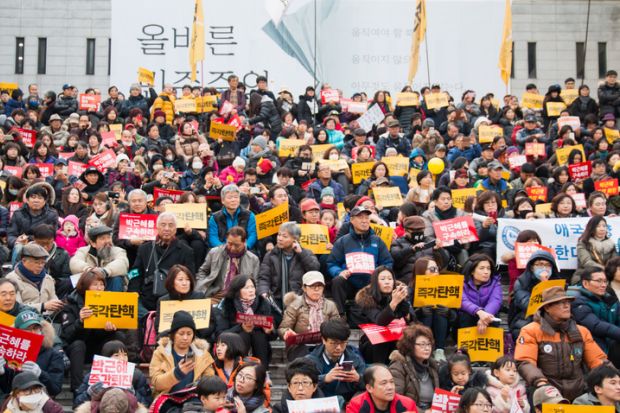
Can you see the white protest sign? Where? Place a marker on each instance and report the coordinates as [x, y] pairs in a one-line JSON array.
[[369, 119], [111, 372], [321, 405]]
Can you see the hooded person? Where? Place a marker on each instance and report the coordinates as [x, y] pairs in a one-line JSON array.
[[36, 209], [28, 395], [113, 400], [94, 183], [417, 159], [262, 158]]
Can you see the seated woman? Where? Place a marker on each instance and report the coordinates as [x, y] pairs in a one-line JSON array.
[[302, 383], [29, 395], [488, 209], [116, 350], [180, 358], [415, 372], [306, 312], [248, 395], [595, 247], [482, 293], [563, 206], [381, 302], [241, 298], [230, 354]]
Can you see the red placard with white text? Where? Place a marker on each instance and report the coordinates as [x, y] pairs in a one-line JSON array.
[[226, 108], [18, 346], [109, 139], [580, 199], [29, 136], [580, 171], [312, 337], [330, 95], [14, 170], [445, 401], [137, 226], [104, 160], [461, 229], [360, 262], [607, 186], [538, 193], [47, 169], [89, 102], [14, 206], [172, 193], [382, 334], [66, 155], [111, 372], [76, 168], [263, 321]]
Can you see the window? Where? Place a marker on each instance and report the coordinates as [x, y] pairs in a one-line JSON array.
[[42, 56], [19, 55], [602, 59], [580, 50], [109, 55], [531, 60], [512, 61], [90, 56]]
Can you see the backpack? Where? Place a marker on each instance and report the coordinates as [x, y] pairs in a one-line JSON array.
[[149, 337]]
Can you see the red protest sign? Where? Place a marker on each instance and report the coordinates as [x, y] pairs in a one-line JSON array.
[[13, 206], [65, 155], [47, 169], [226, 108], [360, 262], [445, 401], [18, 346], [137, 226], [580, 171], [89, 102], [330, 95], [580, 199], [104, 160], [383, 334], [14, 170], [524, 250], [111, 372], [538, 193], [76, 168], [236, 122], [172, 193], [29, 136], [461, 229], [264, 321], [535, 149], [607, 186], [312, 337], [109, 139], [306, 184]]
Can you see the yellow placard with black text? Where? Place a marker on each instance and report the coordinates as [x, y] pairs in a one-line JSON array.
[[487, 133], [319, 150], [555, 108], [536, 296], [385, 233], [194, 215], [315, 238], [434, 290], [611, 135], [288, 147], [335, 165], [407, 99], [206, 104], [568, 95], [119, 308], [185, 105], [387, 197], [199, 309], [361, 171], [459, 196], [268, 222], [397, 165], [562, 153], [436, 100], [543, 208], [532, 101], [146, 76], [576, 408], [222, 131], [482, 347]]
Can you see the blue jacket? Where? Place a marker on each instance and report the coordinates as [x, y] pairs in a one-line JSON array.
[[470, 153], [13, 104], [401, 144], [188, 178], [353, 242], [315, 188], [250, 228], [324, 366], [600, 315]]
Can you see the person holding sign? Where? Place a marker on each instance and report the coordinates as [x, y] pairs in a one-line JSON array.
[[530, 129], [603, 388], [229, 216], [482, 294], [554, 349], [302, 380], [488, 209], [393, 139]]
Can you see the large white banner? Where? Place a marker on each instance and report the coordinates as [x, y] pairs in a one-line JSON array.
[[560, 234], [361, 45]]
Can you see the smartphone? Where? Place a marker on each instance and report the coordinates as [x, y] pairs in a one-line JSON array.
[[429, 245], [571, 135], [431, 131], [254, 190], [189, 355], [347, 365]]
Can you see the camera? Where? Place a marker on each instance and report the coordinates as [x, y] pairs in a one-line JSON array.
[[113, 195]]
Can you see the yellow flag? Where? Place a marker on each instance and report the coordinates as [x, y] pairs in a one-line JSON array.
[[197, 46], [419, 30], [505, 53]]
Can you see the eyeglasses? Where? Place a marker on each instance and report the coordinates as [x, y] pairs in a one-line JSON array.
[[483, 406], [433, 269], [602, 281], [303, 384], [337, 343], [243, 378], [424, 345]]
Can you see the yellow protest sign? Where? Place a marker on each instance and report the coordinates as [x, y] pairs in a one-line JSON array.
[[536, 296], [413, 173], [185, 105], [612, 135], [434, 290], [387, 197], [288, 147], [199, 309], [145, 76], [436, 100], [407, 99], [268, 222], [543, 208], [568, 95], [222, 131], [121, 309], [487, 133], [532, 101], [555, 108], [385, 233], [397, 165], [319, 150], [194, 215], [361, 171], [562, 153], [575, 408], [336, 165], [9, 86], [340, 207], [482, 347], [117, 128], [6, 319], [506, 175], [206, 104], [459, 196], [315, 238]]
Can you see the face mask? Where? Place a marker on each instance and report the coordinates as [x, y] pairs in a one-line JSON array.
[[158, 167], [170, 157], [126, 143], [333, 157], [33, 401], [523, 213], [13, 191], [417, 237], [197, 165], [306, 159], [540, 272]]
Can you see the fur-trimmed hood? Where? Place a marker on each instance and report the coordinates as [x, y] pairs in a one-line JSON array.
[[365, 300], [604, 83], [199, 346], [49, 335], [51, 194]]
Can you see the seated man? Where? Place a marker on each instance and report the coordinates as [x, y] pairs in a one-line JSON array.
[[603, 388], [302, 381], [547, 395], [231, 215], [380, 394], [340, 365], [58, 262]]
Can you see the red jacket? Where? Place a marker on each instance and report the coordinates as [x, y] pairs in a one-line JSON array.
[[362, 403]]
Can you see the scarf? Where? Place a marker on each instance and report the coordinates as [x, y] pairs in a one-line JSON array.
[[566, 328], [246, 306], [233, 267], [316, 313], [36, 279], [447, 214]]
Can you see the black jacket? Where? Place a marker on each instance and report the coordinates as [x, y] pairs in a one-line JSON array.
[[73, 328], [64, 106], [405, 257], [609, 98], [58, 267], [269, 116], [226, 313], [582, 107], [23, 221], [303, 108]]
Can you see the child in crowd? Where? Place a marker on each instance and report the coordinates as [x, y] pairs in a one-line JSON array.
[[505, 386], [69, 236], [329, 218], [457, 375], [212, 393], [328, 200]]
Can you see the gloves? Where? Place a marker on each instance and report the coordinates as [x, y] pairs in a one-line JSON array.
[[2, 364], [32, 367], [95, 389]]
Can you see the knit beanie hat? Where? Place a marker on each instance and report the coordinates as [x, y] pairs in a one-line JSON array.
[[182, 319], [327, 191], [260, 141]]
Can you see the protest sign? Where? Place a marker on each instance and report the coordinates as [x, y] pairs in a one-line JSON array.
[[9, 86], [487, 133], [288, 147], [109, 139], [611, 135], [137, 226], [312, 337], [580, 171], [226, 108], [461, 229], [111, 372], [562, 153], [445, 401], [175, 194], [76, 168], [580, 199], [357, 107], [14, 170], [335, 165], [537, 193], [65, 155], [516, 161], [568, 95], [555, 108], [268, 222], [315, 238], [397, 165], [320, 405], [407, 99], [535, 149], [524, 250], [434, 290], [117, 128], [319, 150], [532, 101], [385, 233], [360, 262], [459, 196], [361, 171], [482, 347], [46, 169], [103, 160], [222, 131], [206, 104], [574, 408], [573, 121], [536, 295], [146, 77], [330, 95], [29, 136], [89, 102], [387, 196], [436, 100], [18, 346], [341, 210], [199, 309], [607, 186], [383, 334], [371, 117], [119, 308], [194, 215], [185, 105], [543, 208], [262, 321], [6, 319]]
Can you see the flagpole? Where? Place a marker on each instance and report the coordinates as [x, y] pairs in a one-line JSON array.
[[315, 45], [428, 69], [202, 76], [585, 44]]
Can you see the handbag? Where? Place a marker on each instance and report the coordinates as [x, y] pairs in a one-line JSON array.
[[159, 275]]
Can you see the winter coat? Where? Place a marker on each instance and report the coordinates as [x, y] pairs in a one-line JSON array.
[[164, 102], [470, 153], [139, 386], [589, 399], [58, 266], [495, 387], [427, 143], [229, 175], [163, 371], [221, 222], [401, 144], [50, 406], [65, 105], [609, 98], [307, 108], [583, 106], [212, 273], [282, 406], [595, 253], [241, 100], [269, 279], [134, 102], [405, 257], [116, 265], [97, 187], [189, 180], [477, 378], [227, 311], [406, 377], [23, 221], [12, 105], [129, 180], [29, 294], [404, 114], [362, 403], [600, 315], [487, 297], [70, 244], [324, 366], [315, 188], [269, 116]]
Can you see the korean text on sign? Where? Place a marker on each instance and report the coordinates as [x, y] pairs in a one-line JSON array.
[[322, 405], [312, 337], [104, 160], [574, 408], [580, 171], [263, 321], [268, 222], [382, 334], [222, 131], [121, 309], [445, 401], [18, 346], [137, 226], [482, 347], [199, 309], [434, 290], [524, 250], [388, 197], [194, 215], [361, 171], [461, 229], [360, 262], [111, 372], [536, 296], [172, 193], [385, 233], [315, 238], [607, 186]]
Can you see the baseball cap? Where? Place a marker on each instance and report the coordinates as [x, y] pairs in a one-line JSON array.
[[67, 86], [27, 318], [495, 165], [55, 116], [313, 277], [530, 118], [360, 210], [548, 395], [308, 205]]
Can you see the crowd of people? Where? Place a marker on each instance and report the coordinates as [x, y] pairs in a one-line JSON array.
[[60, 238]]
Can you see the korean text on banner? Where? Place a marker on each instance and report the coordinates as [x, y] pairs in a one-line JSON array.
[[109, 139], [263, 321], [574, 408], [222, 131], [175, 194], [46, 169], [459, 196], [524, 250], [76, 168], [357, 107], [383, 334], [194, 215], [312, 337], [315, 238], [104, 160], [487, 133], [580, 171], [568, 95], [111, 372], [199, 309], [437, 100], [373, 116], [29, 136], [562, 153], [206, 104], [445, 401], [385, 233], [89, 102], [335, 165], [516, 161], [361, 171], [185, 105], [137, 226], [482, 347], [537, 193], [18, 346], [387, 197], [573, 121], [434, 290], [330, 95], [288, 147], [268, 222], [14, 170], [322, 405], [555, 108], [536, 296], [119, 308], [532, 101], [146, 77], [319, 150], [397, 165], [407, 99], [360, 262], [461, 229], [607, 186]]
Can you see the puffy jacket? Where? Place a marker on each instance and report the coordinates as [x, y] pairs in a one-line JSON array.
[[29, 293], [362, 403], [598, 314], [406, 376], [269, 116], [404, 114], [12, 105], [229, 175], [71, 244], [589, 399], [324, 366], [405, 257], [304, 110], [116, 265], [401, 144], [134, 102], [315, 188], [64, 105], [487, 297], [353, 242], [495, 391], [470, 153], [582, 107], [23, 221], [609, 98], [164, 102], [595, 253], [212, 273], [221, 221]]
